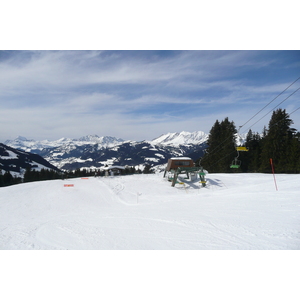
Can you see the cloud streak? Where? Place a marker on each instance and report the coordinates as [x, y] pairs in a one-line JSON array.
[[136, 94]]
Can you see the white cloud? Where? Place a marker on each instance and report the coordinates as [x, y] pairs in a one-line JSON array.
[[132, 95]]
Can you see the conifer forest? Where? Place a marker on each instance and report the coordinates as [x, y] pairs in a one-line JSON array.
[[279, 142]]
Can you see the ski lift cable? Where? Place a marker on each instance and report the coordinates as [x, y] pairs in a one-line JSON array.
[[238, 153], [213, 150], [294, 110], [289, 114], [270, 102], [223, 142], [223, 157], [272, 109]]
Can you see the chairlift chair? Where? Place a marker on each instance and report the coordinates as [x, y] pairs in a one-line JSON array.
[[235, 164]]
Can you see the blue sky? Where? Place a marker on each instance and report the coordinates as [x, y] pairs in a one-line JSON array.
[[140, 95]]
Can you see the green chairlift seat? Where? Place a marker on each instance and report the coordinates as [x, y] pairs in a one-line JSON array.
[[235, 164]]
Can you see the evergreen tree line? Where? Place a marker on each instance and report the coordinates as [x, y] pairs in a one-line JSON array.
[[91, 172], [43, 174], [7, 179], [278, 142], [30, 175]]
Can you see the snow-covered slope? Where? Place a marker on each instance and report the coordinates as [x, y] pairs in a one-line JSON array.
[[234, 211]]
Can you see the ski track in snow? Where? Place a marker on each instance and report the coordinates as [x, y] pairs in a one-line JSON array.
[[234, 211]]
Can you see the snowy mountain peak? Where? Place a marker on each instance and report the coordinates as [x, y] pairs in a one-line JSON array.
[[181, 138], [89, 138], [19, 139], [110, 140], [103, 141], [22, 138], [63, 140]]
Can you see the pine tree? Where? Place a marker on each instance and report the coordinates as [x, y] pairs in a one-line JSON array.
[[147, 169], [1, 178], [28, 175], [221, 147], [211, 156], [277, 142], [228, 131], [7, 178], [293, 157], [251, 159]]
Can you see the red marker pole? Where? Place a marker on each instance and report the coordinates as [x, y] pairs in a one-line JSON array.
[[271, 162]]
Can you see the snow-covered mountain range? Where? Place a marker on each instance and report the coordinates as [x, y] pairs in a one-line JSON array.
[[93, 151], [176, 138], [23, 143], [181, 138]]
